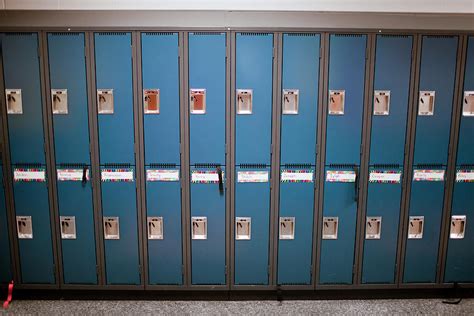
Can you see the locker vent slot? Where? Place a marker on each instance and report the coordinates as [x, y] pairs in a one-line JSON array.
[[302, 34], [342, 166], [440, 36], [64, 34], [302, 283], [28, 165], [466, 166], [428, 166], [386, 166], [297, 166], [254, 34], [112, 33], [251, 166], [163, 165], [207, 33], [348, 35], [395, 36], [160, 33], [19, 34], [72, 165], [117, 165], [206, 165]]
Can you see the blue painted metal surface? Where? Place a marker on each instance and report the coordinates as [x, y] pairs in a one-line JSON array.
[[421, 255], [165, 258], [122, 255], [337, 256], [379, 258], [254, 68], [208, 256], [160, 71], [392, 73], [346, 72], [113, 60], [20, 57], [460, 256], [300, 71], [207, 70], [295, 255], [5, 263], [67, 70], [251, 256], [437, 73]]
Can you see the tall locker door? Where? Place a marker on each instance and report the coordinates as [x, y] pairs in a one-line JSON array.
[[460, 256], [207, 99], [67, 71], [254, 76], [433, 122], [343, 141], [113, 63], [300, 83], [5, 259], [387, 147], [160, 71], [25, 130]]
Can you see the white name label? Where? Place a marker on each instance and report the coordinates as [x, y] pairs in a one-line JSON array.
[[428, 175], [465, 176], [27, 175], [71, 174], [340, 176], [162, 175], [205, 177], [296, 176], [389, 177], [117, 175], [252, 176]]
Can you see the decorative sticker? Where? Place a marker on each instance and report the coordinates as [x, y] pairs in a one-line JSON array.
[[465, 175], [162, 175], [201, 176], [428, 175], [71, 174], [296, 176], [29, 175], [117, 175], [385, 176], [340, 176], [252, 176]]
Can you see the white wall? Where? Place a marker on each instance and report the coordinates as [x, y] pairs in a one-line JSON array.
[[389, 6]]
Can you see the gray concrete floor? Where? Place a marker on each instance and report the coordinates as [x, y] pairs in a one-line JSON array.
[[332, 307]]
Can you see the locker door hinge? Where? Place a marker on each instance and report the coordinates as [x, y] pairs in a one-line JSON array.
[[353, 270], [274, 52], [225, 270], [140, 270], [395, 271], [97, 269], [54, 269], [311, 271], [182, 269], [320, 52], [268, 269]]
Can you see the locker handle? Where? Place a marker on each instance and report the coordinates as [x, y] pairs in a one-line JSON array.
[[356, 186], [221, 184], [84, 175]]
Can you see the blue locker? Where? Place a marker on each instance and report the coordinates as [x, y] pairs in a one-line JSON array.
[[254, 76], [67, 70], [392, 83], [438, 69], [113, 58], [25, 129], [5, 263], [160, 70], [343, 138], [460, 256], [298, 154], [207, 78]]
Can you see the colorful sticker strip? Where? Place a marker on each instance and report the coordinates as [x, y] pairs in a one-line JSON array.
[[340, 176], [465, 175], [428, 175], [252, 176], [29, 175], [162, 175], [385, 176], [71, 174], [116, 175], [199, 176], [293, 176]]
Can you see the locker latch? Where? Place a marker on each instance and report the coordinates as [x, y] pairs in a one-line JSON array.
[[330, 227], [287, 228], [221, 182], [381, 102], [336, 102], [14, 101], [243, 227], [468, 104], [111, 228], [151, 101], [458, 226], [415, 227], [25, 227], [199, 227], [68, 227], [155, 227], [373, 227], [59, 101], [197, 101], [244, 101], [105, 101], [290, 101], [426, 103]]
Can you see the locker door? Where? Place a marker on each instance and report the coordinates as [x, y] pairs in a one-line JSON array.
[[25, 128], [116, 140], [254, 75], [207, 98], [298, 155], [67, 70], [437, 74], [460, 256], [5, 263], [387, 147], [160, 71], [343, 138]]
